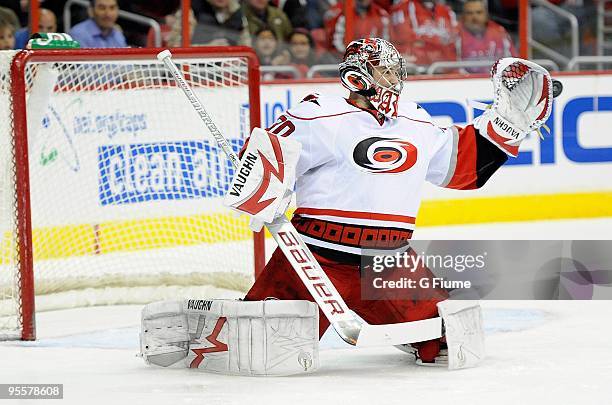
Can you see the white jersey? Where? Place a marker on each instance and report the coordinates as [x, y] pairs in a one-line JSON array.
[[359, 177]]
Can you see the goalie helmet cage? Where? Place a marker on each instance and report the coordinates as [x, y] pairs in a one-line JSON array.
[[109, 179]]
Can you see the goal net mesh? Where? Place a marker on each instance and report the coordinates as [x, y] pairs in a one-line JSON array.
[[126, 185]]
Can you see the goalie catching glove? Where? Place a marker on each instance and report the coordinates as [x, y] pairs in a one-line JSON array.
[[263, 183], [522, 103]]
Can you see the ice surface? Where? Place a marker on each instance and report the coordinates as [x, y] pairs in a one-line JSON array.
[[539, 352]]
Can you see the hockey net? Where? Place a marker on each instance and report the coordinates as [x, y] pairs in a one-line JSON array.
[[113, 195]]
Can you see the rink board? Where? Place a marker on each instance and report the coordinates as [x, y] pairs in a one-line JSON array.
[[565, 175]]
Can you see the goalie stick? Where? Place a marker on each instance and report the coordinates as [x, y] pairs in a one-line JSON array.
[[350, 328]]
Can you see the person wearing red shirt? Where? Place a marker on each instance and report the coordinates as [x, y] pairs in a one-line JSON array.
[[481, 38], [424, 31], [371, 20]]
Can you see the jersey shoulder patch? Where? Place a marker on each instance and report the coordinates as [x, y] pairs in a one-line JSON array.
[[312, 98]]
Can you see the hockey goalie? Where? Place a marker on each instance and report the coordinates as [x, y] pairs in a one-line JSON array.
[[357, 166]]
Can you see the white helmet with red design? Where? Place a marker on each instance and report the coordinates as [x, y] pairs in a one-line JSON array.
[[373, 68]]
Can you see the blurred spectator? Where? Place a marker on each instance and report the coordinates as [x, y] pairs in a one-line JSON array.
[[296, 10], [269, 49], [371, 20], [505, 13], [138, 34], [424, 31], [554, 31], [210, 30], [222, 23], [176, 28], [7, 35], [166, 29], [19, 9], [303, 53], [301, 49], [481, 38], [260, 14], [315, 11], [46, 23], [10, 17], [100, 31], [157, 9]]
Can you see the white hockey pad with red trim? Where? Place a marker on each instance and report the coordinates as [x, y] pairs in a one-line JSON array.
[[263, 183], [259, 338], [522, 103]]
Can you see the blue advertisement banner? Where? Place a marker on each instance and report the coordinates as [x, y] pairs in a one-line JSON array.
[[142, 172]]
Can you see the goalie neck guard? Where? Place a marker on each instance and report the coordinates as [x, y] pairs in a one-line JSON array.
[[373, 68]]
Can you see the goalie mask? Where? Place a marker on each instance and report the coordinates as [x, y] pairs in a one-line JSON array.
[[373, 68]]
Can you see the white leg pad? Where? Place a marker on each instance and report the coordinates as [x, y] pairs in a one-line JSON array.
[[232, 337], [464, 332], [164, 337]]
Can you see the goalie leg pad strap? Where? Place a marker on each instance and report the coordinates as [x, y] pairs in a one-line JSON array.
[[233, 337], [164, 337]]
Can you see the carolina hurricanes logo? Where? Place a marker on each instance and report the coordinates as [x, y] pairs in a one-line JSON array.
[[385, 155], [354, 81]]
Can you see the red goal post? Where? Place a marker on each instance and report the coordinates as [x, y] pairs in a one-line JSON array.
[[118, 141]]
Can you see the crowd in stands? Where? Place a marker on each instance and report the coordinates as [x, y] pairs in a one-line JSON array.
[[300, 33]]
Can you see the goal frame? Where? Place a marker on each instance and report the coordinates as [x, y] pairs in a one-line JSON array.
[[20, 145]]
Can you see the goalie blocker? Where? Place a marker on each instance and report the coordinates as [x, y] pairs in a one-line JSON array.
[[263, 183]]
